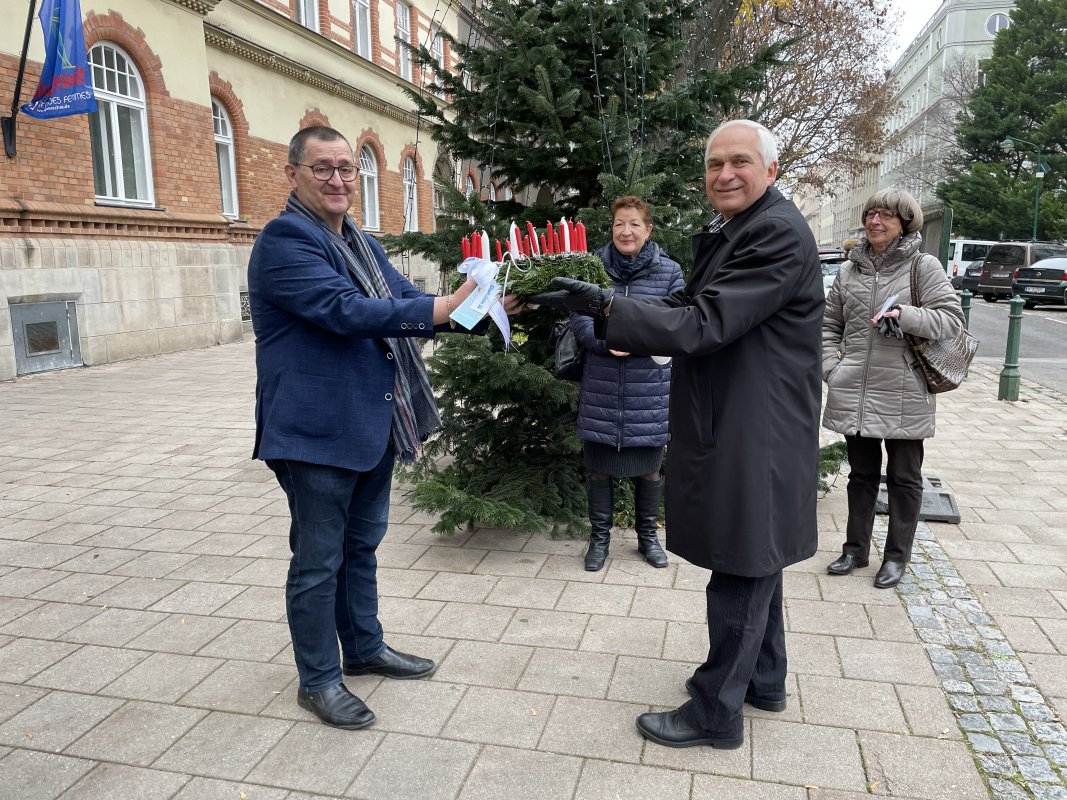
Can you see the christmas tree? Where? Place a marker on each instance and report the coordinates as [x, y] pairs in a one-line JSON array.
[[593, 101]]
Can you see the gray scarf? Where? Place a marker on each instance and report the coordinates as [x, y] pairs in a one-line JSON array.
[[415, 414]]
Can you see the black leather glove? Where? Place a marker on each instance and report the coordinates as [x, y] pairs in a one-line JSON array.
[[577, 297], [890, 328]]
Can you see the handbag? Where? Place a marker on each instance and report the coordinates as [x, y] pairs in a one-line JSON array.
[[569, 355], [944, 362]]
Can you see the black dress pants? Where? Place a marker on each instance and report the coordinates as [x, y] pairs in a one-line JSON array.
[[746, 631], [904, 482]]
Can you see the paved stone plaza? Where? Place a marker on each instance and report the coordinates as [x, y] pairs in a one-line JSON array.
[[144, 652]]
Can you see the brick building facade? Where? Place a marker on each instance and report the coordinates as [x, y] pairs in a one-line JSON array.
[[127, 232]]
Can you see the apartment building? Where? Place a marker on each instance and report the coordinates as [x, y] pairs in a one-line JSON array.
[[126, 232]]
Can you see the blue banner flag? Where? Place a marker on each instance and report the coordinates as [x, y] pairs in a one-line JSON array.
[[65, 87]]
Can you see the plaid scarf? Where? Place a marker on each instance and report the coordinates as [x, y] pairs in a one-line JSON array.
[[415, 414]]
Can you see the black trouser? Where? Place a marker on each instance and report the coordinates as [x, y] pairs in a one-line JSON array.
[[904, 482], [746, 632]]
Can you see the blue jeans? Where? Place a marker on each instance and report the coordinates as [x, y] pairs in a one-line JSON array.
[[339, 517]]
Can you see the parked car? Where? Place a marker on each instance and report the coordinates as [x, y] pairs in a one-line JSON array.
[[961, 252], [1004, 258], [830, 260], [1042, 283], [969, 273]]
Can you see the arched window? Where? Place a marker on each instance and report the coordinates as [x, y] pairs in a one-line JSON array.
[[224, 154], [118, 129], [470, 187], [508, 194], [411, 196], [491, 193], [368, 188]]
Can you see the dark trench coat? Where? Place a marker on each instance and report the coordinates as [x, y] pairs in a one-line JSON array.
[[745, 333]]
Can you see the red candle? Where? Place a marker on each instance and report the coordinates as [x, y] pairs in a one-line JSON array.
[[559, 244], [526, 250], [533, 239], [499, 252], [466, 247], [573, 234], [544, 244], [551, 238], [579, 229]]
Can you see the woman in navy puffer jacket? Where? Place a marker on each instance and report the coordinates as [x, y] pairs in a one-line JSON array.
[[622, 412]]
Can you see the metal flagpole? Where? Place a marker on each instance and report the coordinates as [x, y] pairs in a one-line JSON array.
[[9, 122]]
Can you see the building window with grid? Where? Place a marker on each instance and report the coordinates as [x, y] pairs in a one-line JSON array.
[[118, 129], [403, 34], [368, 188], [411, 196], [361, 27], [224, 154], [437, 47], [307, 14]]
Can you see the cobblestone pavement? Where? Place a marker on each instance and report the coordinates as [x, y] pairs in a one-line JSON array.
[[144, 651]]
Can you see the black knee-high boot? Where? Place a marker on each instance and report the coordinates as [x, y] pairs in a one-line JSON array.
[[601, 511], [646, 514]]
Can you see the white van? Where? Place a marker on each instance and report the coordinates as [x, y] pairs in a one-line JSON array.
[[962, 252]]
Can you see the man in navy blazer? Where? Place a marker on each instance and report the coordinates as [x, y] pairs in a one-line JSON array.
[[341, 392]]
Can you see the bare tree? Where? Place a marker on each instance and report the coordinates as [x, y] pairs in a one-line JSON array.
[[829, 101], [925, 158]]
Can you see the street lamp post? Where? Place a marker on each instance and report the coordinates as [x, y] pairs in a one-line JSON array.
[[1008, 145]]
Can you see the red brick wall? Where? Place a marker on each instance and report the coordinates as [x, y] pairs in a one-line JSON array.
[[53, 158]]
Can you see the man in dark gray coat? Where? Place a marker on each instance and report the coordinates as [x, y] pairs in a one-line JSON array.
[[744, 419]]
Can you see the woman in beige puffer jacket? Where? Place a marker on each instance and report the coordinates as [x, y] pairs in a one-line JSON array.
[[876, 390]]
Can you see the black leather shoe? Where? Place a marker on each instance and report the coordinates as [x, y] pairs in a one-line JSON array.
[[889, 575], [845, 564], [336, 706], [391, 664], [756, 702], [669, 729]]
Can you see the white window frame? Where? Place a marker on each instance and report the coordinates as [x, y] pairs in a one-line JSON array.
[[411, 195], [437, 47], [995, 23], [403, 34], [226, 156], [368, 189], [307, 14], [361, 29], [108, 103]]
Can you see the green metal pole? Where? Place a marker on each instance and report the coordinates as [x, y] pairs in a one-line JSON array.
[[965, 303], [1009, 376], [1037, 194]]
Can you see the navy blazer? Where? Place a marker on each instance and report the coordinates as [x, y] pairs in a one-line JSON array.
[[324, 389]]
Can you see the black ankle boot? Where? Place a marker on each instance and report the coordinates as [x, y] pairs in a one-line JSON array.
[[601, 511], [646, 516]]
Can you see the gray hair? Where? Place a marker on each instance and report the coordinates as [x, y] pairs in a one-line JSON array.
[[298, 144], [906, 206], [768, 147]]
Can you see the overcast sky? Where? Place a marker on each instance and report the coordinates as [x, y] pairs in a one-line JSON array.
[[912, 14]]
